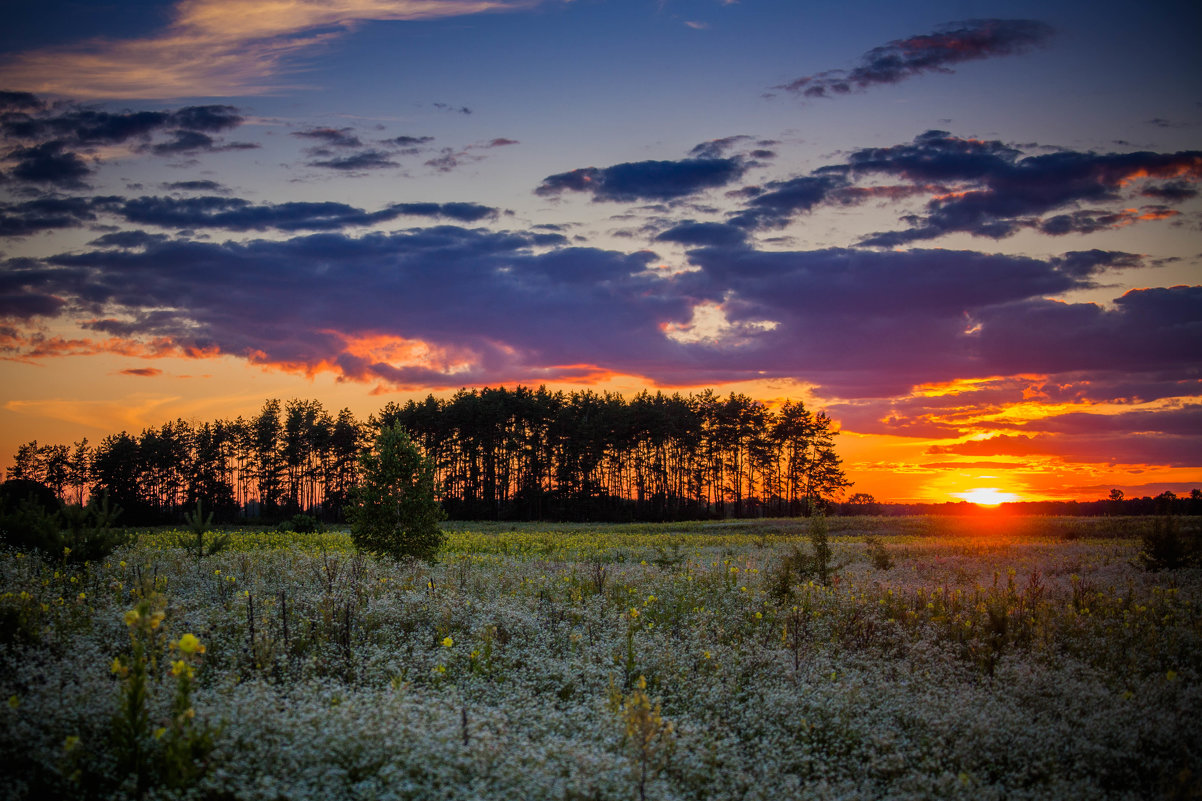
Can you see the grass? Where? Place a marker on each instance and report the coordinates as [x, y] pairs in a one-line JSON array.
[[985, 658]]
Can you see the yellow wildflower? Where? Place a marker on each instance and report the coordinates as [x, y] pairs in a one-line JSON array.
[[447, 641], [188, 644], [70, 743], [13, 702], [131, 617]]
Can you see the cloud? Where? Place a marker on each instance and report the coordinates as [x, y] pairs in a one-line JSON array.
[[43, 214], [645, 180], [409, 141], [901, 59], [1183, 420], [216, 48], [128, 240], [1084, 263], [49, 163], [211, 211], [331, 137], [453, 306], [996, 191], [142, 372], [442, 304], [776, 202], [1142, 449], [195, 186], [236, 214], [453, 109], [697, 234], [49, 140], [84, 125], [366, 160]]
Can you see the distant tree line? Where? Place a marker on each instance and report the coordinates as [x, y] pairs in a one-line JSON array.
[[520, 454], [1117, 504]]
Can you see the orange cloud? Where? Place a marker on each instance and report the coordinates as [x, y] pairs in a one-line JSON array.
[[216, 47], [144, 372]]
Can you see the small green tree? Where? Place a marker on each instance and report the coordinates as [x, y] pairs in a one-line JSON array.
[[394, 511]]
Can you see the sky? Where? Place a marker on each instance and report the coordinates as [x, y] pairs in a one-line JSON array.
[[969, 231]]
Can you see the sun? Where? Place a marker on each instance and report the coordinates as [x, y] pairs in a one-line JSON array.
[[987, 496]]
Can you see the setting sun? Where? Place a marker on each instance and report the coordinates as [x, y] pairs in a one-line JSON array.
[[987, 496]]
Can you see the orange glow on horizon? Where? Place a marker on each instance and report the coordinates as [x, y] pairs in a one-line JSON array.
[[987, 496]]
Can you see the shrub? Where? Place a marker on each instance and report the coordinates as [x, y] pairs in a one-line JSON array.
[[1166, 547], [878, 554], [73, 532], [395, 513], [89, 533], [300, 524], [198, 526]]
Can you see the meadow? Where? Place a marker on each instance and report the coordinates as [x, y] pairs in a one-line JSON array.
[[986, 657]]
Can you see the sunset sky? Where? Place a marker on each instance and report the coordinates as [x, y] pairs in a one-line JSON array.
[[969, 231]]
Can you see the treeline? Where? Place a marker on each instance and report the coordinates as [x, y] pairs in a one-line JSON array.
[[516, 454], [1166, 503]]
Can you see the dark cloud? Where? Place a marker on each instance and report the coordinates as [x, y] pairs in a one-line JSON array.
[[454, 109], [195, 186], [1145, 330], [48, 140], [1084, 263], [449, 159], [776, 202], [484, 302], [717, 148], [19, 101], [43, 214], [236, 214], [480, 306], [646, 180], [77, 125], [331, 137], [50, 163], [1141, 449], [695, 234], [461, 212], [183, 142], [1182, 420], [501, 142], [206, 118], [142, 372], [128, 240], [210, 211], [935, 52], [1001, 192], [1171, 191], [365, 160], [409, 141]]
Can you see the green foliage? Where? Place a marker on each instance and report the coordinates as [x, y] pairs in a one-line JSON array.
[[797, 565], [198, 526], [173, 755], [1166, 547], [878, 554], [75, 533], [89, 533], [28, 526], [395, 513], [301, 524]]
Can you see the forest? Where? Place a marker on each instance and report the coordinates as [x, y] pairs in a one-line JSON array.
[[498, 454]]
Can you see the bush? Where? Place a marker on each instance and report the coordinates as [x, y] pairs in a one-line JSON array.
[[301, 524], [395, 513], [1166, 547], [73, 532]]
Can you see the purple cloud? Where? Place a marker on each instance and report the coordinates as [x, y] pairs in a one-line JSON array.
[[900, 59]]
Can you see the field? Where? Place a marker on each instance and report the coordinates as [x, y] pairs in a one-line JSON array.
[[975, 658]]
